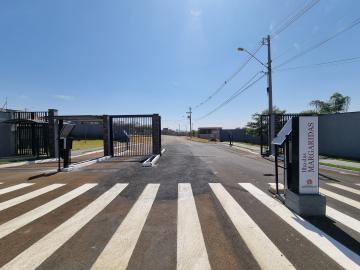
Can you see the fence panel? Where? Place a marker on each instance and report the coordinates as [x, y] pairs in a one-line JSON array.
[[31, 138], [280, 121], [131, 135]]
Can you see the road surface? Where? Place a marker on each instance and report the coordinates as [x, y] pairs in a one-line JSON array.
[[205, 206]]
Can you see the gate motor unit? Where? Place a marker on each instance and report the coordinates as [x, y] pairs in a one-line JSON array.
[[65, 144], [298, 141]]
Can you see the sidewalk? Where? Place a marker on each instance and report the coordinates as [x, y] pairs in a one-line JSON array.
[[329, 162], [253, 148]]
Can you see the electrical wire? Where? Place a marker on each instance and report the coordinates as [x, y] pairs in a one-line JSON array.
[[317, 45], [246, 86], [333, 62], [291, 19], [229, 79]]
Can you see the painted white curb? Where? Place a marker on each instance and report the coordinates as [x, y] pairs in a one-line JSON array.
[[15, 164], [163, 151], [84, 164], [152, 163], [39, 161]]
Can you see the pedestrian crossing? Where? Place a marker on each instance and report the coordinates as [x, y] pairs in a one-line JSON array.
[[192, 251], [28, 196], [15, 187], [340, 198]]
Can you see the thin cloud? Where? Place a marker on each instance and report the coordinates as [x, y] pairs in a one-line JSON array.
[[64, 97], [196, 12]]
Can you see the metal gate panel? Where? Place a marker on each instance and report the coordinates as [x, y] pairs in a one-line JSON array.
[[31, 138], [131, 135]]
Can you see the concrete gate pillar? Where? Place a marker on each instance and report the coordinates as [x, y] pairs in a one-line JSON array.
[[52, 133]]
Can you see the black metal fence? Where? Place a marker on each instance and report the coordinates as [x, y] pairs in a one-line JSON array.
[[131, 135], [31, 134], [280, 121]]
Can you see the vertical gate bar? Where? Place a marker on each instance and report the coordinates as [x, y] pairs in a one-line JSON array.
[[136, 135], [135, 152], [132, 133]]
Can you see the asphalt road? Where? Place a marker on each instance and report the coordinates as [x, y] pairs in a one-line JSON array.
[[189, 212]]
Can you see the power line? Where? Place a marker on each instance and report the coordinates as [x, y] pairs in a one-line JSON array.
[[172, 120], [315, 46], [333, 62], [229, 79], [291, 19], [246, 86]]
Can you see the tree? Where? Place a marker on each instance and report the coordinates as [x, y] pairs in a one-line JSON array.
[[336, 104], [254, 127]]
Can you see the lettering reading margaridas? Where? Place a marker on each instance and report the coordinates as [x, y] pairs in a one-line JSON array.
[[308, 164]]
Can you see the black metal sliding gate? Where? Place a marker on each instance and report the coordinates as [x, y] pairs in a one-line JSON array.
[[280, 121], [134, 135], [31, 134]]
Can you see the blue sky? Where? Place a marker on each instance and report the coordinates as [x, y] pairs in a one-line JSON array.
[[129, 57]]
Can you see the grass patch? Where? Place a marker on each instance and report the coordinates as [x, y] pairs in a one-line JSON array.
[[196, 139], [86, 144], [340, 159], [340, 166]]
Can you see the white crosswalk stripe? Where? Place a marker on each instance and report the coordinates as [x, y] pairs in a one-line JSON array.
[[335, 250], [32, 257], [117, 253], [348, 221], [346, 188], [340, 198], [15, 187], [20, 221], [265, 252], [28, 196], [191, 249]]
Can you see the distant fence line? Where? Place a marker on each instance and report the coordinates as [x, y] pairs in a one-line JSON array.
[[238, 135]]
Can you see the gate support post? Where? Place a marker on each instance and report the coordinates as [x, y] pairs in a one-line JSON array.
[[52, 133], [156, 134], [106, 135]]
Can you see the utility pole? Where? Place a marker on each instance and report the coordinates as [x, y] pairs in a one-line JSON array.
[[271, 126], [189, 116]]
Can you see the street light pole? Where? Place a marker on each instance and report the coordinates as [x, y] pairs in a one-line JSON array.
[[271, 132], [189, 116], [271, 125]]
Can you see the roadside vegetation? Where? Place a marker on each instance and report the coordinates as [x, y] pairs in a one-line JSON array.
[[86, 144], [340, 166], [196, 139], [336, 104]]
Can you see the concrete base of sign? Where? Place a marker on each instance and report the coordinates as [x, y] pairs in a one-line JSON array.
[[306, 204]]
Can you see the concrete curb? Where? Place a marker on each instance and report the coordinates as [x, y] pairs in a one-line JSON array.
[[84, 164], [151, 161], [15, 164], [40, 161]]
